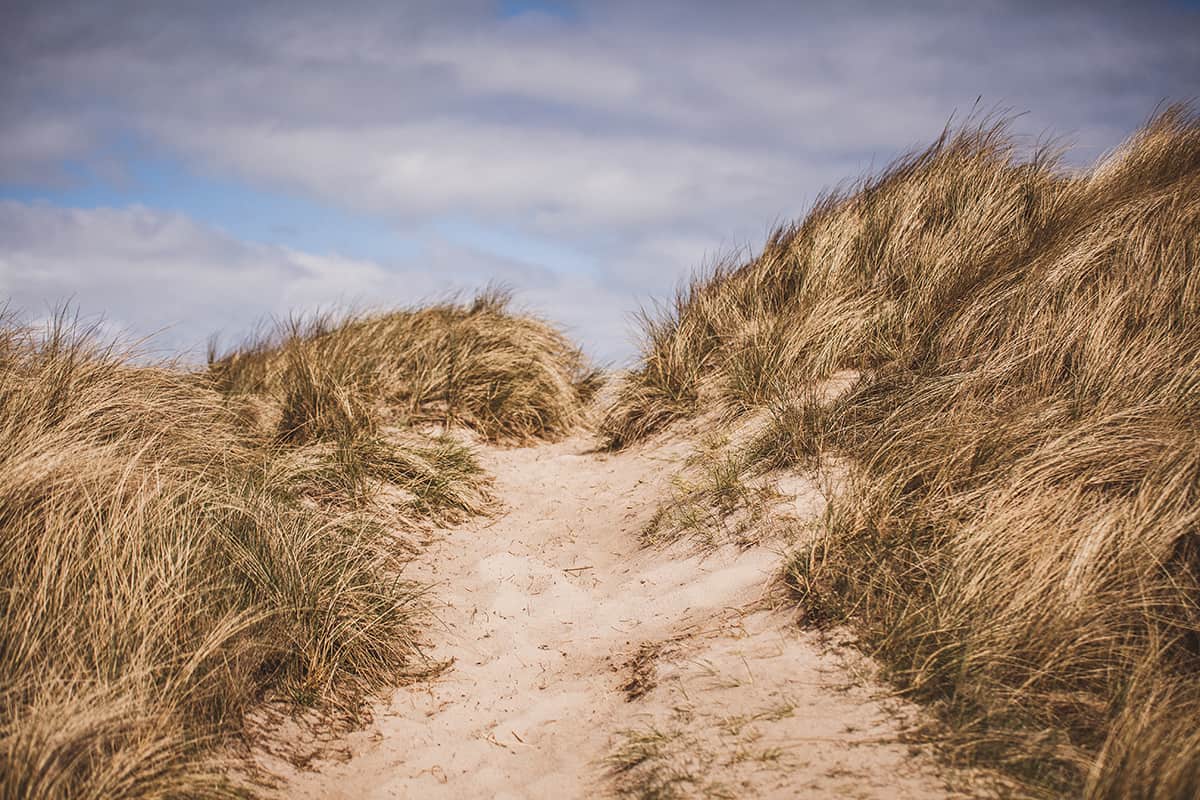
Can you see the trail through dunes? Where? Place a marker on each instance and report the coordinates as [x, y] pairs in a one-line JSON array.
[[586, 666]]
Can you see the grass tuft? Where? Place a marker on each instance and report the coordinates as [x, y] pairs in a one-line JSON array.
[[711, 502]]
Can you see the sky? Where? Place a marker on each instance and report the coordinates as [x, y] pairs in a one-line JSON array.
[[183, 170]]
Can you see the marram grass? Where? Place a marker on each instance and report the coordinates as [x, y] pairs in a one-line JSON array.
[[178, 546], [1018, 538]]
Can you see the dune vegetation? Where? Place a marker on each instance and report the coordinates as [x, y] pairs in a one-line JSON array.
[[181, 545], [1015, 532], [510, 378]]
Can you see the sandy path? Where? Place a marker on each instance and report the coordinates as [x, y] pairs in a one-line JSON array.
[[544, 610]]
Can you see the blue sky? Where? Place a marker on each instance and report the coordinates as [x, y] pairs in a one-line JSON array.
[[515, 8], [187, 169]]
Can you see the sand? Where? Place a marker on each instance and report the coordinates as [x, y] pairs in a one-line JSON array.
[[570, 643]]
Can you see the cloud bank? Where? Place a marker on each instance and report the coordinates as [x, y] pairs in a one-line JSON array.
[[635, 139]]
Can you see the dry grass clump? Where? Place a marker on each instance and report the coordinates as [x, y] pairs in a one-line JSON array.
[[653, 764], [405, 478], [179, 546], [712, 501], [696, 755], [1019, 539], [510, 378], [669, 763], [157, 579]]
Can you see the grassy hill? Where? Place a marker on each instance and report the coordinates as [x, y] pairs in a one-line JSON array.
[[1018, 535], [179, 545]]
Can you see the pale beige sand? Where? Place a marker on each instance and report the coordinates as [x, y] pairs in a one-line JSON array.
[[543, 607]]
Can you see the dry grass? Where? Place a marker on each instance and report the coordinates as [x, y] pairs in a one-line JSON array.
[[1019, 539], [712, 501], [511, 378], [179, 546], [654, 764], [696, 755]]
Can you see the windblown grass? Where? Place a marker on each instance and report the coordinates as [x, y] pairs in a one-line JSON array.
[[1019, 539], [179, 546], [510, 378], [712, 501]]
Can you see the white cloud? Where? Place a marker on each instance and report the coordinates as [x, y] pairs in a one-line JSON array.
[[551, 180], [150, 271], [153, 272], [647, 136], [686, 114]]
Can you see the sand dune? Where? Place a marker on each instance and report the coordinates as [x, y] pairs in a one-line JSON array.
[[585, 665]]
